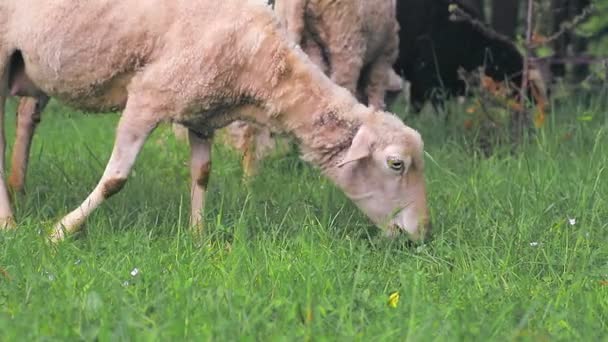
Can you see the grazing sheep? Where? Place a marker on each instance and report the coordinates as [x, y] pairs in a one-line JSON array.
[[204, 64], [355, 42], [255, 141]]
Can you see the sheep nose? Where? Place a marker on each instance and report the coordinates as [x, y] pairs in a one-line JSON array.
[[422, 233]]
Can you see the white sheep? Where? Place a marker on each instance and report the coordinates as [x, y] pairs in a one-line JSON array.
[[204, 64], [356, 42], [365, 63]]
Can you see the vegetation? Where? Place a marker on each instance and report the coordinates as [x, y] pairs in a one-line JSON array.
[[520, 250]]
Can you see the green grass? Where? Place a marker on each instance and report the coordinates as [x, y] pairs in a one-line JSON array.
[[292, 258]]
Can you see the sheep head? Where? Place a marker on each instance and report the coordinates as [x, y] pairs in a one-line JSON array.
[[382, 172]]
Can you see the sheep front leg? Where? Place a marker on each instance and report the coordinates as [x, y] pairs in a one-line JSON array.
[[28, 117], [133, 129], [6, 214], [200, 170], [292, 14]]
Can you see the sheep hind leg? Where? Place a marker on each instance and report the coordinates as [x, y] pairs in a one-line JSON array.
[[28, 117], [253, 141], [180, 132], [6, 214], [250, 153], [200, 170], [133, 129], [346, 70], [378, 79]]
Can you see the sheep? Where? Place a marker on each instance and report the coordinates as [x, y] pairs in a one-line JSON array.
[[355, 42], [374, 78], [204, 64]]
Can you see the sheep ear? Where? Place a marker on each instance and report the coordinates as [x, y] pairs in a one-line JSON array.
[[361, 146]]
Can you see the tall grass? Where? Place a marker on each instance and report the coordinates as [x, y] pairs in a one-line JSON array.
[[520, 248]]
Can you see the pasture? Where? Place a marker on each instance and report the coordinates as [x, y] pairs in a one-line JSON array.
[[519, 250]]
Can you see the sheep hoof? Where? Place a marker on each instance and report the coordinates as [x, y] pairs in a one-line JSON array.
[[58, 234], [197, 228], [247, 179], [7, 223]]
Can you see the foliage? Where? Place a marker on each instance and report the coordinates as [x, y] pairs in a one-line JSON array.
[[597, 27]]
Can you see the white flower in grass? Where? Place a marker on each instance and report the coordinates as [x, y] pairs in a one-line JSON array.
[[135, 272], [534, 244], [572, 221], [49, 275], [125, 284]]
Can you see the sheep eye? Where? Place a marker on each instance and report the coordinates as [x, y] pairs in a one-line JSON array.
[[395, 164]]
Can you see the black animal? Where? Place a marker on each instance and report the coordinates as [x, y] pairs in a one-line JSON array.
[[433, 47], [564, 11]]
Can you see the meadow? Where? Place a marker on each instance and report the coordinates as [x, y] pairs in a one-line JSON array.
[[519, 250]]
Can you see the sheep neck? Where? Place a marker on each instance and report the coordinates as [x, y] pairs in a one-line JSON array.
[[322, 116]]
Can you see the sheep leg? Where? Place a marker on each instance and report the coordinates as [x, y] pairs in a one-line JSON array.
[[375, 89], [28, 117], [200, 170], [394, 88], [344, 44], [315, 54], [254, 141], [133, 129], [292, 13], [6, 213], [180, 132], [249, 152], [346, 69]]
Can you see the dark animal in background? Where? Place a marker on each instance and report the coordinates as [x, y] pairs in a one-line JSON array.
[[433, 48], [505, 16]]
